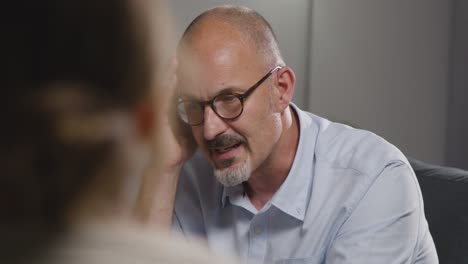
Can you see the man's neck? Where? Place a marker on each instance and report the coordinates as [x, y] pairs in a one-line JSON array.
[[268, 178]]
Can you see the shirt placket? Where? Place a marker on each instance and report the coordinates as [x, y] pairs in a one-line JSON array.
[[258, 237]]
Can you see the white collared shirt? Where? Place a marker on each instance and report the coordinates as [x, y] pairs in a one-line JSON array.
[[350, 197]]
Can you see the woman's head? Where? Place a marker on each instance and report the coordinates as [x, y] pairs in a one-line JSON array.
[[78, 75]]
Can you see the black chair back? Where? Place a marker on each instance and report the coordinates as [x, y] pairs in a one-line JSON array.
[[445, 194]]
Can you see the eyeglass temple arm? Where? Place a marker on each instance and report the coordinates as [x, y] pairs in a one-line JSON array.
[[248, 92]]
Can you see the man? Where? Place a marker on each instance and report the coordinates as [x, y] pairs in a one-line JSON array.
[[270, 182]]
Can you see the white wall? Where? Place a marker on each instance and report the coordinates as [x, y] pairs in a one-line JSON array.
[[382, 65], [288, 19]]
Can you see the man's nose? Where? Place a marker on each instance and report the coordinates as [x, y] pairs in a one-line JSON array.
[[213, 125]]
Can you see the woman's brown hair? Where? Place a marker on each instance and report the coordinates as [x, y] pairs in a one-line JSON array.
[[67, 62]]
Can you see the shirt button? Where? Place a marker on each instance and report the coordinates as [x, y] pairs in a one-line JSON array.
[[258, 230]]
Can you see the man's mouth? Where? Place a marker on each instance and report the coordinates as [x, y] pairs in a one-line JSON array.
[[222, 150]]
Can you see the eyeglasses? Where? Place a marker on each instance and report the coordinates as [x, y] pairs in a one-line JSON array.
[[227, 106]]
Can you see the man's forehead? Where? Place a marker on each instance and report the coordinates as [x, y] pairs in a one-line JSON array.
[[206, 94], [215, 55], [206, 85], [207, 68], [210, 78]]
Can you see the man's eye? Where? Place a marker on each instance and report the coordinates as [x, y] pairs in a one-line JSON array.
[[228, 99]]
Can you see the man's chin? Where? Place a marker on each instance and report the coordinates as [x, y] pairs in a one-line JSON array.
[[225, 164], [234, 174]]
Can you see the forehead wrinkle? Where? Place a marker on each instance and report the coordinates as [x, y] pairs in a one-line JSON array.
[[226, 90]]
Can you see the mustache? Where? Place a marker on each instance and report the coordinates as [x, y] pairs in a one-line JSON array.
[[223, 140]]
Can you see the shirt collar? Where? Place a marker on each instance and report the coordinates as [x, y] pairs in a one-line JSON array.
[[294, 194], [234, 191]]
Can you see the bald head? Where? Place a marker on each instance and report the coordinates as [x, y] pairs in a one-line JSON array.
[[242, 24]]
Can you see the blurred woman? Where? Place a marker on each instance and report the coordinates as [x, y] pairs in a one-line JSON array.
[[81, 106]]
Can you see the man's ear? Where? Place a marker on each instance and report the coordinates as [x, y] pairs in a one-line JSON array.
[[284, 88]]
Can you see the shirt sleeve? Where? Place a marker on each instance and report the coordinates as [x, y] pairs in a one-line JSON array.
[[188, 215], [387, 225]]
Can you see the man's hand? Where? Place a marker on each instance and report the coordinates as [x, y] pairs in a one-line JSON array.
[[174, 140], [173, 145]]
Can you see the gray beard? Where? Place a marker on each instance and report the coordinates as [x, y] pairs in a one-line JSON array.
[[233, 176]]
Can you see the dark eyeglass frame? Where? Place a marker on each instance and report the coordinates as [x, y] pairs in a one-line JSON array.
[[241, 96]]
